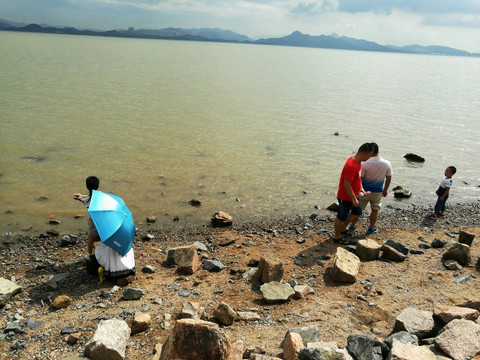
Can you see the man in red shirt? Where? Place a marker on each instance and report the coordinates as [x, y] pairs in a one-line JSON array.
[[349, 187]]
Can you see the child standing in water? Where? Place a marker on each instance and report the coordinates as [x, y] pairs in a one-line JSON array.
[[92, 183], [443, 191]]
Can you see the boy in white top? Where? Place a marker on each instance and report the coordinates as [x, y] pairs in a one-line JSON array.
[[376, 178], [443, 191]]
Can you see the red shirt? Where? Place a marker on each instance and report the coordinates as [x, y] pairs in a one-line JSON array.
[[351, 171]]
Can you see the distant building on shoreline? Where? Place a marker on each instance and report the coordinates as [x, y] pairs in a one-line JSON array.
[[160, 33]]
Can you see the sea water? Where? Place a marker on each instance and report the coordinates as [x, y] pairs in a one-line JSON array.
[[256, 131]]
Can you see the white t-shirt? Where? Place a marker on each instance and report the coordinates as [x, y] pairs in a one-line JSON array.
[[86, 201], [373, 173]]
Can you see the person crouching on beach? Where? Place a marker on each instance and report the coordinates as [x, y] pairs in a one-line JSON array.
[[349, 187], [92, 183], [443, 192], [104, 260]]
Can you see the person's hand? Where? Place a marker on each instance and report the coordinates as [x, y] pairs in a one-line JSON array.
[[384, 193], [355, 203], [77, 196]]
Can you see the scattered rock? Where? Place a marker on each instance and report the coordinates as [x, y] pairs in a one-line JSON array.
[[175, 255], [416, 322], [333, 207], [414, 157], [195, 339], [195, 202], [438, 243], [402, 351], [270, 269], [402, 336], [149, 269], [132, 294], [151, 219], [141, 322], [213, 265], [7, 290], [467, 331], [364, 347], [221, 219], [61, 302], [302, 290], [448, 313], [225, 314], [452, 265], [109, 340], [458, 252], [368, 249], [345, 266], [276, 292], [191, 310], [189, 262], [402, 194], [309, 334], [466, 238], [292, 345]]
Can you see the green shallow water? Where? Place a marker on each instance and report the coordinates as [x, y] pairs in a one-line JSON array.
[[246, 129]]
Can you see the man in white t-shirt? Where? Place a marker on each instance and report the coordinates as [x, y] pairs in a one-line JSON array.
[[376, 178]]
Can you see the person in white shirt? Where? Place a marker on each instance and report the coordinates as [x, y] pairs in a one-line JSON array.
[[376, 176]]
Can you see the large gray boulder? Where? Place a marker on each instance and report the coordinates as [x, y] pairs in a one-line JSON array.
[[362, 347], [309, 334], [416, 322], [109, 341], [403, 337]]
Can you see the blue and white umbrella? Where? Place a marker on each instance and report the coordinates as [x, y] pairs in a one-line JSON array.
[[113, 221]]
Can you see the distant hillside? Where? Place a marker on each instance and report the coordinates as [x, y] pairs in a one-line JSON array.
[[429, 50], [345, 43], [209, 34], [327, 42], [219, 34]]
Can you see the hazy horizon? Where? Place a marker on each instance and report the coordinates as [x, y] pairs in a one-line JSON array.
[[387, 22]]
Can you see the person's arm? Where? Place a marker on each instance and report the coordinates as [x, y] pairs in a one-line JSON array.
[[445, 193], [78, 196], [348, 189], [388, 180]]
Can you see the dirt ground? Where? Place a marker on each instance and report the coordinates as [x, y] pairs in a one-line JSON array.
[[368, 306]]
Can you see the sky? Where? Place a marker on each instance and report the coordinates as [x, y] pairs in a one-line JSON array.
[[453, 23]]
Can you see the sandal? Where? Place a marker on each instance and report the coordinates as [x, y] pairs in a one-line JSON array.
[[340, 241]]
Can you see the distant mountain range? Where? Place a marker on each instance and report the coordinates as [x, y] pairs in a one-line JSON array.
[[207, 34]]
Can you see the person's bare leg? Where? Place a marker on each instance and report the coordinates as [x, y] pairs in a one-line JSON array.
[[352, 220], [339, 227], [373, 218]]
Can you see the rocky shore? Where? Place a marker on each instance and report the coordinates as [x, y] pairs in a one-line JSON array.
[[49, 266]]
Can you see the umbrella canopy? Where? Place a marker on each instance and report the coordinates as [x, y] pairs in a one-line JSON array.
[[113, 221]]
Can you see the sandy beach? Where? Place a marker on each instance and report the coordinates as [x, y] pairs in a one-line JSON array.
[[367, 306]]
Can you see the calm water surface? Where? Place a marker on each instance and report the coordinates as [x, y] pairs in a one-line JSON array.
[[246, 129]]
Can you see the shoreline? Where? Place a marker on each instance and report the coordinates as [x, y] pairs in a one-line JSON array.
[[390, 216]]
